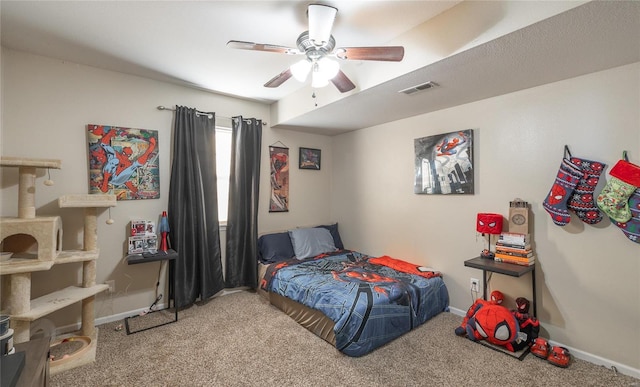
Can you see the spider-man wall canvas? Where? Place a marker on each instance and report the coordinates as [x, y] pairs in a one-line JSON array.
[[444, 163], [123, 162]]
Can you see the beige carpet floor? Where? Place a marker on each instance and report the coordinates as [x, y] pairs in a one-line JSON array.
[[241, 340]]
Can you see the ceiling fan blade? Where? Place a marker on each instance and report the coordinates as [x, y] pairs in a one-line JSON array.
[[384, 53], [342, 82], [238, 44], [279, 79]]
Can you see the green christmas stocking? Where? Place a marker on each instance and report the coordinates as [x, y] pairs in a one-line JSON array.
[[614, 198]]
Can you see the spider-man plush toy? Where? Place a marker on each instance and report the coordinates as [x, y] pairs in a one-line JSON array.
[[490, 321]]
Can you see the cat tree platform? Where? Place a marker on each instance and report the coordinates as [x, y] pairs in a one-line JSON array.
[[47, 232]]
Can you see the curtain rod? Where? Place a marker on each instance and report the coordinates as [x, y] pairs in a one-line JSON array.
[[198, 111]]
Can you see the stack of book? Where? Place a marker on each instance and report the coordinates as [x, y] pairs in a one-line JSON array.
[[514, 248]]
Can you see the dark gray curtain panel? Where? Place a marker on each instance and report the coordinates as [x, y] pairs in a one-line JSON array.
[[193, 208], [242, 223]]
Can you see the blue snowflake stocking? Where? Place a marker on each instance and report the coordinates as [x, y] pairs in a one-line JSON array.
[[582, 200], [631, 228], [556, 201]]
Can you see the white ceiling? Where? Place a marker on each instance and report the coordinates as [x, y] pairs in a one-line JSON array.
[[185, 42]]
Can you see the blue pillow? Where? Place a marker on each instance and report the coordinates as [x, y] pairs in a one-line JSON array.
[[275, 247], [333, 229], [309, 242]]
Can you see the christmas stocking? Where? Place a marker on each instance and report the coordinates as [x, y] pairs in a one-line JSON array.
[[614, 198], [582, 200], [631, 228], [556, 202]]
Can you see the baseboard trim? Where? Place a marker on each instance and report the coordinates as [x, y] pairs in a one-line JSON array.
[[582, 355], [63, 330], [121, 316]]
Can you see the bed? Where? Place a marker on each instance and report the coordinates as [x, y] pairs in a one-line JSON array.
[[354, 301]]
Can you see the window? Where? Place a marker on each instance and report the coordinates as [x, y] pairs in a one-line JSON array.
[[223, 168]]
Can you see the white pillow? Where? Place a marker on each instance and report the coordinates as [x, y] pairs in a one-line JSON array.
[[309, 242]]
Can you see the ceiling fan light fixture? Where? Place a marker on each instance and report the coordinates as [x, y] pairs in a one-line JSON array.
[[321, 18], [323, 70], [300, 70], [328, 68], [318, 81]]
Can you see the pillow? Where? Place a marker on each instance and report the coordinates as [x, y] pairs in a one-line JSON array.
[[333, 229], [309, 242], [275, 247]]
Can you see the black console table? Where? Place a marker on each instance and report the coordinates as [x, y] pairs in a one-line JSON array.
[[510, 269], [168, 256]]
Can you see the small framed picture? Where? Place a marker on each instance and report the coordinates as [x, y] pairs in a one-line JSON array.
[[309, 159]]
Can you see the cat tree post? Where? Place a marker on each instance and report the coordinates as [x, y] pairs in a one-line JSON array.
[[90, 229], [19, 303], [89, 269], [27, 193]]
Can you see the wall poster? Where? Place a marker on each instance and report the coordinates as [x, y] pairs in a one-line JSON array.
[[279, 200], [310, 158], [444, 163], [123, 162]]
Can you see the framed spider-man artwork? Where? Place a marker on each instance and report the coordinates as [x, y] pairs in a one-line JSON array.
[[444, 164], [123, 162], [309, 158]]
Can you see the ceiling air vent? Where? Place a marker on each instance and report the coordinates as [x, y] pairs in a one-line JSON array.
[[420, 87]]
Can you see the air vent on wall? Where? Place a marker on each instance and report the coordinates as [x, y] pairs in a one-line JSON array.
[[420, 87]]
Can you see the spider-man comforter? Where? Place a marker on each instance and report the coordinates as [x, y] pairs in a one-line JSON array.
[[370, 303]]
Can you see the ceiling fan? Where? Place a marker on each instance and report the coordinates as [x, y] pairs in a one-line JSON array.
[[319, 47]]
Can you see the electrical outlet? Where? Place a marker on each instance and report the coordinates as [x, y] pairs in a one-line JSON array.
[[112, 285], [475, 285]]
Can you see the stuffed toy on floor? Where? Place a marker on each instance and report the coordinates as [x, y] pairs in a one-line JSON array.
[[490, 321]]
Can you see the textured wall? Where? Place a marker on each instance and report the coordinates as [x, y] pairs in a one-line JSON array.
[[46, 105], [588, 276]]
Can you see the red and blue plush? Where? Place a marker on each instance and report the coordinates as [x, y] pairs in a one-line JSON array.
[[489, 321]]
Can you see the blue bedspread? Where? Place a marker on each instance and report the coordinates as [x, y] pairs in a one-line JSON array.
[[370, 304]]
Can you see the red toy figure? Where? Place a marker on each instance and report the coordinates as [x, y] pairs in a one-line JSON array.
[[496, 297], [529, 326]]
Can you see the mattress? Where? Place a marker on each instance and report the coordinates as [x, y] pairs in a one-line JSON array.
[[312, 319], [352, 303]]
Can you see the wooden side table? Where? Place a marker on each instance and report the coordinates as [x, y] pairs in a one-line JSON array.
[[510, 269], [169, 256]]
